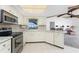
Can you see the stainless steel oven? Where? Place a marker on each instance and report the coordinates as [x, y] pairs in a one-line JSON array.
[[17, 42]]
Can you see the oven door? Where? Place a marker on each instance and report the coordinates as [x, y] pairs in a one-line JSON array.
[[17, 44], [18, 41]]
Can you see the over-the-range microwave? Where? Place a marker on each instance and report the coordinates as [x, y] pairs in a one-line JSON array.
[[6, 17]]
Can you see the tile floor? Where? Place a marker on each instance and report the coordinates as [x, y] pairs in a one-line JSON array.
[[46, 48]]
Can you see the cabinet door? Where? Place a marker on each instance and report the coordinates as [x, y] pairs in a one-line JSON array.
[[59, 39], [51, 40], [5, 47], [6, 50], [49, 37], [35, 36], [24, 38], [30, 36]]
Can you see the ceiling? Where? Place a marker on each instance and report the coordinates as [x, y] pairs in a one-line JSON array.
[[34, 9], [42, 10]]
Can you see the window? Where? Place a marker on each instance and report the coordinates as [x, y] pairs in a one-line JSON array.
[[32, 24]]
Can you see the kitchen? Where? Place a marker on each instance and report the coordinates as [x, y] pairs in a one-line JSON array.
[[22, 26]]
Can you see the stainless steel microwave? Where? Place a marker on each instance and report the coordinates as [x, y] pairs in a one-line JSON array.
[[6, 17]]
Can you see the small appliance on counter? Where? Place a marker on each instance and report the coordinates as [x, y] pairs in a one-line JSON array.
[[53, 26]]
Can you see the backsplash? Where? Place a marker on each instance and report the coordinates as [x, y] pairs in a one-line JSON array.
[[15, 28]]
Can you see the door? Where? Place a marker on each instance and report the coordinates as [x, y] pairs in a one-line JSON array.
[[49, 37]]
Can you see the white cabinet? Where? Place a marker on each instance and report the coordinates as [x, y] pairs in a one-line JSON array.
[[53, 37], [59, 38], [34, 36], [5, 47], [48, 37]]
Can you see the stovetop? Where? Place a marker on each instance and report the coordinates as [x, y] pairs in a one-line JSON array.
[[9, 33], [16, 33]]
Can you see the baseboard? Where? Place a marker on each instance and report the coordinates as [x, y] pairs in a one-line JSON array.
[[46, 43], [36, 42], [54, 45]]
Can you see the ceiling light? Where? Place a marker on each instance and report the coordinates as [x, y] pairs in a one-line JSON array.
[[36, 9]]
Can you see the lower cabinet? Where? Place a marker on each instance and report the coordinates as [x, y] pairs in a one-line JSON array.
[[5, 47], [49, 37], [34, 36], [53, 37], [58, 38]]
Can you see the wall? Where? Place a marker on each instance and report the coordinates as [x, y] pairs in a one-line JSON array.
[[58, 21], [65, 21], [41, 20], [76, 21]]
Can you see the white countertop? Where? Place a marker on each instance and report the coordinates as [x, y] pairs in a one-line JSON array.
[[33, 30], [5, 38]]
